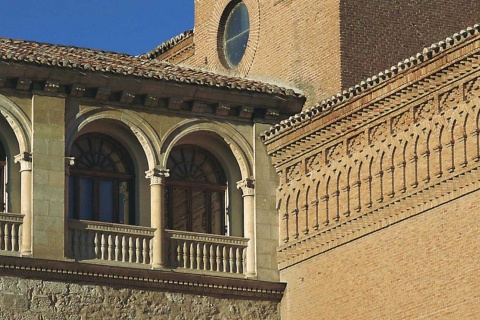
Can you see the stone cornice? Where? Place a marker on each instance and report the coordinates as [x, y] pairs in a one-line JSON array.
[[145, 93], [138, 278], [346, 117]]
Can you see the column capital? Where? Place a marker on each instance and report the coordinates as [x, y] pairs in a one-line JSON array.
[[156, 175], [25, 160], [247, 186]]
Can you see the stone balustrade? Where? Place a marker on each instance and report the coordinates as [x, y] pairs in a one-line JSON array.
[[10, 232], [109, 242], [206, 252]]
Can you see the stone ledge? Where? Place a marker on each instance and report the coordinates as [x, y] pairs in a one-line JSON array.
[[143, 279]]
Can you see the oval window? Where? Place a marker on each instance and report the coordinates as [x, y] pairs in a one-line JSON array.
[[235, 34]]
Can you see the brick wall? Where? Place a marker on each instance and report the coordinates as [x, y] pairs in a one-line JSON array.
[[323, 47], [292, 43], [424, 267], [377, 34]]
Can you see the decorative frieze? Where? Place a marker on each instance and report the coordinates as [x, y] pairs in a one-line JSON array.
[[399, 160]]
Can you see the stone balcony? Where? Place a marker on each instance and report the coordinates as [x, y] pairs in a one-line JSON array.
[[132, 246], [10, 233]]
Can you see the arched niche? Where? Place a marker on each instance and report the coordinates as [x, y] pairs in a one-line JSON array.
[[230, 149], [122, 133], [139, 127], [15, 136]]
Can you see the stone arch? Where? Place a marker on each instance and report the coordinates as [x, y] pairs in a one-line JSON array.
[[18, 121], [145, 134], [237, 144]]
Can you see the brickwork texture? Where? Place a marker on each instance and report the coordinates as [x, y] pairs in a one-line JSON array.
[[425, 267]]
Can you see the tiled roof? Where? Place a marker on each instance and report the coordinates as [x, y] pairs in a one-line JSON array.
[[167, 45], [428, 53], [97, 61]]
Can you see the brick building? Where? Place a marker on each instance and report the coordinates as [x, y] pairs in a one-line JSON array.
[[206, 178]]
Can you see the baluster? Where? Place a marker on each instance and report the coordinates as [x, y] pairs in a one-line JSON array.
[[238, 260], [117, 248], [2, 242], [185, 255], [7, 236], [232, 260], [179, 254], [224, 259], [103, 248], [205, 256], [124, 248], [244, 257], [150, 249], [199, 256], [96, 243], [110, 248], [212, 257], [144, 250], [172, 253], [219, 261], [137, 250], [192, 255], [130, 249], [14, 237]]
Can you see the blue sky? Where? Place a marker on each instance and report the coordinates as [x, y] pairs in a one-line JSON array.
[[130, 26]]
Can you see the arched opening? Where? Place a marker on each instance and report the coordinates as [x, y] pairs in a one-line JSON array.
[[101, 183], [196, 191]]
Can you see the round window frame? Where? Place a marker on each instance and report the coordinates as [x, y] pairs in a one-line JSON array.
[[221, 42]]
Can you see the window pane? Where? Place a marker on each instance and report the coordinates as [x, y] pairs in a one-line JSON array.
[[235, 48], [106, 200], [86, 199], [237, 22], [199, 213], [180, 209], [217, 212], [71, 197], [123, 203]]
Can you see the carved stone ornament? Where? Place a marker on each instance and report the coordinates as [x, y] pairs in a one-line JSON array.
[[247, 186], [157, 176], [25, 160]]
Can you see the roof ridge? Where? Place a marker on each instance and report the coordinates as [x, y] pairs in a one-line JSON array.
[[11, 40], [167, 45], [93, 60], [427, 53]]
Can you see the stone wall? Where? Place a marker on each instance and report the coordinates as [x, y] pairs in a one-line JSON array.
[[41, 300]]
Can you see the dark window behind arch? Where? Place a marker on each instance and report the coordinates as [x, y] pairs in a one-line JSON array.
[[101, 181], [3, 165], [195, 191]]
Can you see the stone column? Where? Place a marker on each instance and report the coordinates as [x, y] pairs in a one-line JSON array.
[[247, 187], [157, 210], [25, 160]]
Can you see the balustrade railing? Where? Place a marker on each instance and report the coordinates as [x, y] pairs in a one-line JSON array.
[[109, 242], [206, 252], [10, 232]]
